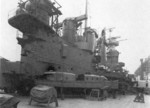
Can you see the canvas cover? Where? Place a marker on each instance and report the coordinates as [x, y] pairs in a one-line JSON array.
[[42, 93]]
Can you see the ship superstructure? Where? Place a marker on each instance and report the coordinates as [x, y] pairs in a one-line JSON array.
[[42, 48], [50, 45]]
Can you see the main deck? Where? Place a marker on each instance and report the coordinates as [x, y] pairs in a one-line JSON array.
[[119, 102], [79, 84]]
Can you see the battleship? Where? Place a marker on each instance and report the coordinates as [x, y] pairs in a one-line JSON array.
[[62, 55], [53, 48], [75, 62]]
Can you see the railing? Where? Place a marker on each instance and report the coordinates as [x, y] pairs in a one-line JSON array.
[[59, 6], [54, 2], [12, 13]]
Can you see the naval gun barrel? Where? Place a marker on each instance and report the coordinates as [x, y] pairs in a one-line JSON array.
[[80, 18]]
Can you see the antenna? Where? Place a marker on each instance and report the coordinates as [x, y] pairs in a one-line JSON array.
[[86, 13]]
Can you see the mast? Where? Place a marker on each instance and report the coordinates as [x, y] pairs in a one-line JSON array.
[[86, 13], [103, 57]]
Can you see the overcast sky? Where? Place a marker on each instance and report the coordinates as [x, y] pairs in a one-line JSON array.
[[131, 19]]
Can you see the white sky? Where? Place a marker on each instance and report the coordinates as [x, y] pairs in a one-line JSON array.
[[131, 18]]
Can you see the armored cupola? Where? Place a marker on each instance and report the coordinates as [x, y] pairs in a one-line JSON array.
[[70, 26]]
